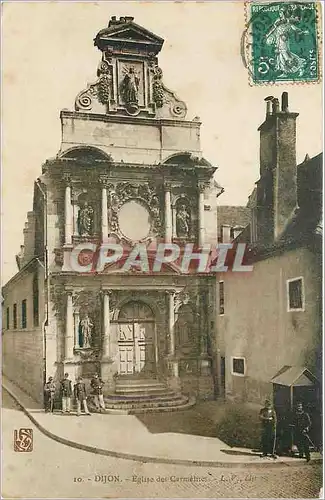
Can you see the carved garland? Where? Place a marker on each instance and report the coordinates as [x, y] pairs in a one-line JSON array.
[[102, 89], [157, 86], [162, 95]]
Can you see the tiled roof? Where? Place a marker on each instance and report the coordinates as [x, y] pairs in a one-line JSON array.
[[307, 221], [233, 216]]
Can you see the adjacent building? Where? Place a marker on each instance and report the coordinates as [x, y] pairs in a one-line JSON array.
[[270, 318]]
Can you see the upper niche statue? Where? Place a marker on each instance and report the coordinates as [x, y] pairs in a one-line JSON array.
[[130, 87], [183, 221], [85, 220]]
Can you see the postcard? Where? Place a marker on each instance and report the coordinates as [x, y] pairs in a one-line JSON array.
[[162, 249]]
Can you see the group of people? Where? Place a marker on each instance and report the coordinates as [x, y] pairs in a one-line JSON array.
[[79, 393], [300, 425]]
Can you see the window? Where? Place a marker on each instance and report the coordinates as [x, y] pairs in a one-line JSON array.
[[8, 318], [35, 301], [296, 294], [238, 366], [24, 314], [14, 316], [221, 297]]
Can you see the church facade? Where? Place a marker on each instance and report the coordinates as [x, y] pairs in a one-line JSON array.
[[129, 171]]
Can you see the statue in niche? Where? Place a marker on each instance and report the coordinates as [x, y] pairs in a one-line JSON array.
[[130, 86], [85, 332], [85, 220], [183, 221]]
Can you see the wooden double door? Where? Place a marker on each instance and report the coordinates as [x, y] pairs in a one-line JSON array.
[[136, 348], [136, 341]]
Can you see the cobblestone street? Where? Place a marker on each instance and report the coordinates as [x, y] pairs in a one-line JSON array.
[[55, 470]]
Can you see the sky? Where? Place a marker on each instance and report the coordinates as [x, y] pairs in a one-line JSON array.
[[48, 57]]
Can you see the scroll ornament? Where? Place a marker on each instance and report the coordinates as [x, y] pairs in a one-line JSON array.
[[101, 90]]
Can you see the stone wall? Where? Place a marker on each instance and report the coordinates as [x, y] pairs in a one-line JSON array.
[[22, 348], [130, 140], [22, 353]]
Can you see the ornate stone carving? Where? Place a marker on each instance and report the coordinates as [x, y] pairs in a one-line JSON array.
[[88, 354], [102, 89], [87, 299], [153, 298], [67, 178], [187, 296], [125, 191], [58, 252], [182, 298], [161, 95], [58, 298], [113, 208], [104, 180], [157, 86]]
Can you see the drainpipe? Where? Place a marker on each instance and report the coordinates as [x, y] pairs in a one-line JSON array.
[[45, 322]]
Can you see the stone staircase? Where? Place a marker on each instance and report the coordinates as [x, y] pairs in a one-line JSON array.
[[134, 396]]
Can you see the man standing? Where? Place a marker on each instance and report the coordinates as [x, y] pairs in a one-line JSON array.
[[81, 396], [302, 423], [97, 388], [49, 392], [66, 393], [268, 421]]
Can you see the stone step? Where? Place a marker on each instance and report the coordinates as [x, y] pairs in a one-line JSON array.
[[137, 381], [126, 405], [118, 398], [142, 385], [185, 405], [160, 409], [137, 391]]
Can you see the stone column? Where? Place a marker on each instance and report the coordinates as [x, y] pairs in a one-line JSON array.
[[104, 214], [168, 215], [174, 381], [203, 324], [171, 323], [68, 214], [76, 329], [205, 385], [69, 330], [106, 359], [201, 214], [106, 326]]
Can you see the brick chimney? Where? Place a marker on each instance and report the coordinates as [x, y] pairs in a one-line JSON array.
[[277, 186]]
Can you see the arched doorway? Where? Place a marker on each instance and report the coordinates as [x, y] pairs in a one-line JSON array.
[[136, 340]]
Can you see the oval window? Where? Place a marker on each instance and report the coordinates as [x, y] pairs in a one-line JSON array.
[[134, 220]]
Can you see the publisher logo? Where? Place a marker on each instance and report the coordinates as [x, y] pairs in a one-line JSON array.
[[23, 440]]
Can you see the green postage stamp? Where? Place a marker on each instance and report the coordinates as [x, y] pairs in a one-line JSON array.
[[281, 42]]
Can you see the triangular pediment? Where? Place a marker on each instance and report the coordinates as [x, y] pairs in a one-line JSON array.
[[133, 33], [128, 33]]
